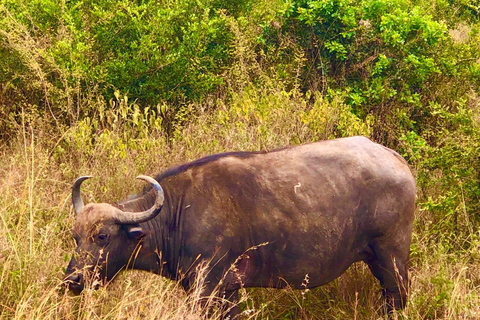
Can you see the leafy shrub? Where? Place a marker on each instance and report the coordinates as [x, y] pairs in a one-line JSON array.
[[59, 55], [448, 176]]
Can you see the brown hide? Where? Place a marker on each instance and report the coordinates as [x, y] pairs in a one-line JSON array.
[[276, 217]]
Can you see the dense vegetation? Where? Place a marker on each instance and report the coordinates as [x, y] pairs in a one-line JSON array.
[[119, 88]]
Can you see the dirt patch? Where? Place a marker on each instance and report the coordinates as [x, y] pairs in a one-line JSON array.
[[460, 34]]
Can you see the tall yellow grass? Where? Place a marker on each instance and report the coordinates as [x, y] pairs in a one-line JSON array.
[[38, 167]]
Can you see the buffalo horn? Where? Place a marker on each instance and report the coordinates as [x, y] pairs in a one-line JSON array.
[[76, 197], [138, 217]]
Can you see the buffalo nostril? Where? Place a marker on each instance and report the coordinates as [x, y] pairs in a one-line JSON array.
[[74, 277]]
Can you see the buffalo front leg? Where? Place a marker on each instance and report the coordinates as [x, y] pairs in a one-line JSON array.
[[230, 305], [221, 304]]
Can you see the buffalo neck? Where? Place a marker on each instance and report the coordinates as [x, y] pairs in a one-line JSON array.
[[160, 252]]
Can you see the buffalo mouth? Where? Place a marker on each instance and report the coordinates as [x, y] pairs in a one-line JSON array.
[[74, 282], [76, 288]]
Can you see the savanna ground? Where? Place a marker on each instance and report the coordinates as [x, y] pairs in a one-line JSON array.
[[115, 89]]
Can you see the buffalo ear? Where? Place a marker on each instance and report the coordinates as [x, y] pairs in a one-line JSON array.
[[134, 232]]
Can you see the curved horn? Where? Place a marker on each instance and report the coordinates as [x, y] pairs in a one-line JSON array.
[[76, 197], [138, 217]]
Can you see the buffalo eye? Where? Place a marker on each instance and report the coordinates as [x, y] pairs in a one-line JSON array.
[[101, 238]]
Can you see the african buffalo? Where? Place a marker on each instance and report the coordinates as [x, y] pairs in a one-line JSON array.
[[312, 209]]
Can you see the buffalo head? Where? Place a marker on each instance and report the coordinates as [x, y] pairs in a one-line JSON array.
[[106, 237]]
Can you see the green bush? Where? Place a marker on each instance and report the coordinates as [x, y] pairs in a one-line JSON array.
[[380, 53], [59, 55]]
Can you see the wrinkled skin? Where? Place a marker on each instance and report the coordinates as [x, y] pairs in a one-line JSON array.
[[276, 217]]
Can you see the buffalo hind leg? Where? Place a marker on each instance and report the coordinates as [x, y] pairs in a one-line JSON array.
[[390, 268]]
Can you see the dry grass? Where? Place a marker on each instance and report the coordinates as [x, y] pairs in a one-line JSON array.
[[36, 171]]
